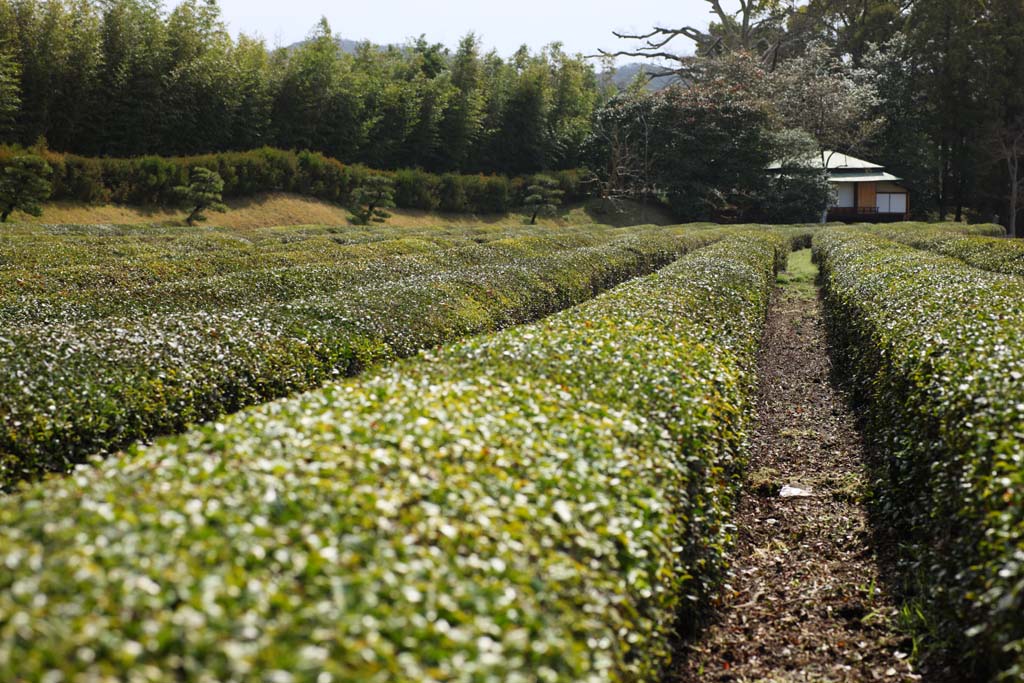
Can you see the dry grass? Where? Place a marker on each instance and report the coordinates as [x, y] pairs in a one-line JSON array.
[[286, 209]]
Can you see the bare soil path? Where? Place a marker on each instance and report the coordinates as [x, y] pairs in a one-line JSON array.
[[805, 602]]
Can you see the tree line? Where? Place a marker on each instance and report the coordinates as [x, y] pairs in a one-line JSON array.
[[127, 78], [927, 88]]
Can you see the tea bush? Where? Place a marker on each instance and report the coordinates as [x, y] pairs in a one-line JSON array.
[[143, 362], [538, 505], [934, 347], [982, 246]]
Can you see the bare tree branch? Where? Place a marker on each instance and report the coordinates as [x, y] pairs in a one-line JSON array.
[[737, 31]]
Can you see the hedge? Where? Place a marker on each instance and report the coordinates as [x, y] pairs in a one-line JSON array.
[[151, 180], [934, 347], [982, 246], [537, 505], [150, 365], [63, 291], [57, 258]]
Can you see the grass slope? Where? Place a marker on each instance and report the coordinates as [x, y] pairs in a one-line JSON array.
[[276, 209]]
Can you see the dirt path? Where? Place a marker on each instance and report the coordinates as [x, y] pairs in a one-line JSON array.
[[805, 602]]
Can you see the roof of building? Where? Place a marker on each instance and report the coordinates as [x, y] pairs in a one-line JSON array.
[[864, 178], [843, 168], [843, 162], [836, 161]]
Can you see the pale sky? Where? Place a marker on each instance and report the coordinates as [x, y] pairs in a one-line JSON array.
[[583, 26]]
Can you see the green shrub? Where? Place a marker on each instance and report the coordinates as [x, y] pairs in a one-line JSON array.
[[573, 183], [980, 246], [77, 179], [370, 200], [203, 193], [324, 178], [488, 194], [24, 185], [452, 193], [933, 347], [542, 197], [415, 189], [543, 504]]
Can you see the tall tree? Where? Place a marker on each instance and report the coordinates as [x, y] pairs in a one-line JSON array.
[[10, 95], [200, 86], [308, 86], [944, 37], [574, 95], [254, 83], [1008, 146], [523, 139], [620, 147], [711, 146], [1003, 28], [461, 125], [904, 142], [850, 27], [826, 97], [134, 64], [136, 77]]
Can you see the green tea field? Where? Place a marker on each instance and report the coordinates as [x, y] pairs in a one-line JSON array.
[[587, 454]]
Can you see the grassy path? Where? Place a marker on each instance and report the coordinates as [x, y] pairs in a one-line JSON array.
[[805, 602]]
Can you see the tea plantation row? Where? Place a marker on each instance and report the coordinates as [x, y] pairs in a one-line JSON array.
[[980, 246], [542, 504], [178, 353], [934, 347], [263, 286], [41, 266]]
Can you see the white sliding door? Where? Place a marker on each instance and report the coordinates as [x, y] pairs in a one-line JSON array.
[[891, 203], [846, 193]]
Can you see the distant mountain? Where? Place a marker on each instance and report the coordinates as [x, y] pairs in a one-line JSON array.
[[348, 46], [624, 75], [344, 44]]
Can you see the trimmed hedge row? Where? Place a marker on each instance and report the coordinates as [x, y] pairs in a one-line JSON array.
[[104, 290], [71, 390], [151, 180], [60, 259], [934, 346], [924, 232], [985, 247], [538, 505]]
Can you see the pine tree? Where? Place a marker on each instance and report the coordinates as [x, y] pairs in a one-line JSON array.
[[203, 193], [24, 185], [369, 200], [543, 197]]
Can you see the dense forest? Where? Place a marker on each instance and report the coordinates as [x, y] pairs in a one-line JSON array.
[[128, 78], [928, 88]]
